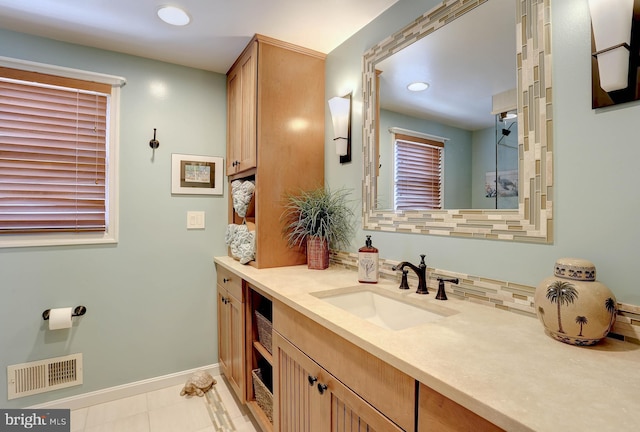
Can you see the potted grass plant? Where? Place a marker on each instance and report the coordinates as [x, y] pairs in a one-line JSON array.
[[318, 220]]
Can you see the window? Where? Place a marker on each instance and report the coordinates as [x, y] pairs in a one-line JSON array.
[[418, 173], [57, 156]]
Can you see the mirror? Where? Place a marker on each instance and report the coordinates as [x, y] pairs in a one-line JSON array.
[[471, 77], [532, 220]]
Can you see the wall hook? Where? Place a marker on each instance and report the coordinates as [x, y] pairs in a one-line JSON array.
[[154, 143]]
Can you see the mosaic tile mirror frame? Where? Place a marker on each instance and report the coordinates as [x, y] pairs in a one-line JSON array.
[[533, 220]]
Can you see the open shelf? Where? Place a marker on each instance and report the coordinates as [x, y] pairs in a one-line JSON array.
[[260, 416], [263, 352], [257, 355]]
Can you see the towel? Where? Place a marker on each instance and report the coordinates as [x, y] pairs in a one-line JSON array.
[[242, 242], [242, 192]]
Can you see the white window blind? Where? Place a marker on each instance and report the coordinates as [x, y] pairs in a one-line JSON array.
[[418, 173], [53, 153]]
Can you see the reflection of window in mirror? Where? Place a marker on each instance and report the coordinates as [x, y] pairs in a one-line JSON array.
[[418, 176]]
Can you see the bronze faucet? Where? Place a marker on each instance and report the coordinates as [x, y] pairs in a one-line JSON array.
[[421, 271]]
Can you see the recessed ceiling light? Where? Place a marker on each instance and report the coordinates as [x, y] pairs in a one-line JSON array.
[[418, 86], [173, 15]]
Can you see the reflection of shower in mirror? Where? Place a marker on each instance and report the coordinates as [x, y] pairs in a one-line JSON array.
[[503, 183]]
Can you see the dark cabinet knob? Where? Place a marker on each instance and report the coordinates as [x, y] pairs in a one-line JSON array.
[[312, 380], [225, 280], [321, 388]]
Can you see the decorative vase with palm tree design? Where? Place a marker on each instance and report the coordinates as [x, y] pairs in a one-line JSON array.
[[573, 307]]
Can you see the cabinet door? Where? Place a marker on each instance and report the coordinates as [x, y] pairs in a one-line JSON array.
[[241, 112], [231, 340], [309, 399], [234, 119], [224, 336], [236, 331], [439, 413]]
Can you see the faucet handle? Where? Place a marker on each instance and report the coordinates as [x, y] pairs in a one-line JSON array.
[[404, 284], [442, 295]]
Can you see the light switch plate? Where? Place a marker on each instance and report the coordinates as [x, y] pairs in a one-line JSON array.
[[195, 220]]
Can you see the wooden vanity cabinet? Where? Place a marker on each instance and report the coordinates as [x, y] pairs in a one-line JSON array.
[[276, 110], [231, 329], [360, 387]]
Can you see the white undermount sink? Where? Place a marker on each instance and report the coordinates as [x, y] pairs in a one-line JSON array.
[[384, 308]]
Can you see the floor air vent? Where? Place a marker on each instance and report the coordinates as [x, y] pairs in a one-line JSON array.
[[45, 375]]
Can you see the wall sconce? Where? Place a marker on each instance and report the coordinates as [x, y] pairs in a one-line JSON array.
[[611, 22], [340, 108]]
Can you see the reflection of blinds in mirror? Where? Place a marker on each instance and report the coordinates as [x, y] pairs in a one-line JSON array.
[[417, 173]]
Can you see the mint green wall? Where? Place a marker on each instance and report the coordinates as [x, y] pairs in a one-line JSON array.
[[484, 159], [150, 298], [595, 173]]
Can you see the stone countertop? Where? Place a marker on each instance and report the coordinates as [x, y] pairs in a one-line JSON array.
[[499, 364]]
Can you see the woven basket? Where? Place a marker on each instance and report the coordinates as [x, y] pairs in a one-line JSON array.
[[264, 397], [317, 253], [264, 331]]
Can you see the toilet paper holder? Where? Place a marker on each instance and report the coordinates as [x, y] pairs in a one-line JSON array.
[[78, 311]]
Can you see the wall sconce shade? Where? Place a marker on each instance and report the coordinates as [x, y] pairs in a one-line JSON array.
[[611, 25], [340, 108]]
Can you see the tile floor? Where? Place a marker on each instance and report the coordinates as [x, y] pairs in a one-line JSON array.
[[164, 411]]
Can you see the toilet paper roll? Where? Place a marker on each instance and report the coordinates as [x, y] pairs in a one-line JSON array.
[[60, 318]]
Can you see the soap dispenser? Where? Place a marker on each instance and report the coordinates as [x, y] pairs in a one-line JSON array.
[[368, 263]]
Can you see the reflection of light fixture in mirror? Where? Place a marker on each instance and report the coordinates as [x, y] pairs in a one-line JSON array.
[[508, 116], [340, 108], [611, 25], [173, 15], [418, 86]]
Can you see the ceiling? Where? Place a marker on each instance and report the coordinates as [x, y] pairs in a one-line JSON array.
[[218, 32], [465, 62]]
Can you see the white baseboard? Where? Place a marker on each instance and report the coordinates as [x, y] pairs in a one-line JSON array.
[[131, 389]]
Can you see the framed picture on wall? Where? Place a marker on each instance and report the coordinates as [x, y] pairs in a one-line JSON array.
[[196, 175]]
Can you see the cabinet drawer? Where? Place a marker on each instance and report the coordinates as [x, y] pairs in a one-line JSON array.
[[231, 281], [386, 388], [438, 413]]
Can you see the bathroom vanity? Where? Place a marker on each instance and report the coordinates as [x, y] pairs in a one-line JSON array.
[[472, 368]]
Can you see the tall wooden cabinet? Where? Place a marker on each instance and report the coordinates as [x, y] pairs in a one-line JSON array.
[[276, 109]]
